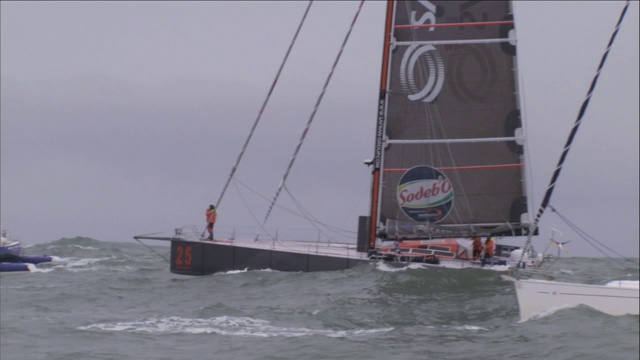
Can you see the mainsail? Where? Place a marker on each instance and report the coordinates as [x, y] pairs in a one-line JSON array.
[[450, 144]]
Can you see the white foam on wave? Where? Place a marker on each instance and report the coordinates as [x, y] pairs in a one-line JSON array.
[[498, 268], [85, 247], [40, 270], [383, 266], [461, 327], [74, 263], [233, 272], [224, 325], [76, 246], [471, 328], [87, 264], [237, 271]]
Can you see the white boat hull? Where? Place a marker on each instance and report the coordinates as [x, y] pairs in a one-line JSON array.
[[539, 296]]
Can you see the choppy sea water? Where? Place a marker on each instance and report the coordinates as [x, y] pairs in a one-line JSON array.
[[111, 300]]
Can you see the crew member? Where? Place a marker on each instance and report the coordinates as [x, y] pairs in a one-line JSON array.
[[212, 215], [396, 247], [489, 247], [477, 247]]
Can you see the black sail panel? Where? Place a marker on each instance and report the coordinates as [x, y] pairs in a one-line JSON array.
[[453, 142]]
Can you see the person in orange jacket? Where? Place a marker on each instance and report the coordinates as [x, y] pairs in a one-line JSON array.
[[477, 247], [489, 247], [212, 215]]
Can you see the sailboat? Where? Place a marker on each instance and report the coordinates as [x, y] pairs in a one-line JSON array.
[[449, 153], [539, 292]]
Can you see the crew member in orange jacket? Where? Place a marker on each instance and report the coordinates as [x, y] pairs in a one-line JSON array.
[[477, 247], [212, 215], [489, 247]]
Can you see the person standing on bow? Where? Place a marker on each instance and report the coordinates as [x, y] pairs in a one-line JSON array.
[[212, 215], [489, 247]]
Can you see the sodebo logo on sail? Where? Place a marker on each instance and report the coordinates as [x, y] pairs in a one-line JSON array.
[[425, 194], [416, 55]]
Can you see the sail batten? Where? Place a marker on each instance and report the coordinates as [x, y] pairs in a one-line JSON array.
[[432, 26], [451, 141]]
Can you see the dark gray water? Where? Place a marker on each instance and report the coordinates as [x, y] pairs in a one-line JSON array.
[[108, 300]]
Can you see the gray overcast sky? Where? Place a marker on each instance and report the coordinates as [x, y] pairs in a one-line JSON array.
[[124, 118]]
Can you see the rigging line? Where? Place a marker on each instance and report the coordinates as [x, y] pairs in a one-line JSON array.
[[308, 215], [434, 111], [311, 219], [267, 199], [151, 249], [572, 134], [245, 202], [237, 181], [313, 113], [194, 234], [314, 221], [588, 238], [264, 105]]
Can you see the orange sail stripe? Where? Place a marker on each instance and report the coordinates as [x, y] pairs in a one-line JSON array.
[[460, 168]]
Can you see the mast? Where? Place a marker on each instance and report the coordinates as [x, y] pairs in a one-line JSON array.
[[380, 123]]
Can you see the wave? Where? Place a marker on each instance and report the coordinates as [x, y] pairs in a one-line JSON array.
[[224, 325], [80, 254], [252, 327]]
